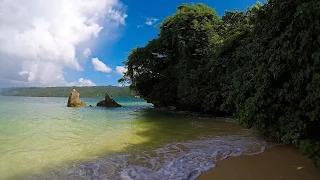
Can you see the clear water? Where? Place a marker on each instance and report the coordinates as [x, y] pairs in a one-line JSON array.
[[40, 138]]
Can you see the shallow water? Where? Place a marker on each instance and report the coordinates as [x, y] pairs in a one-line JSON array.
[[40, 138]]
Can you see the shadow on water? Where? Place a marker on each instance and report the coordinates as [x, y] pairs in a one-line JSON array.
[[156, 129]]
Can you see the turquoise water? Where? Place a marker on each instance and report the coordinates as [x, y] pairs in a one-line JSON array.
[[40, 138]]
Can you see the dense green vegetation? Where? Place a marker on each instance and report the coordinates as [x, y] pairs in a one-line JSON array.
[[262, 65], [96, 91]]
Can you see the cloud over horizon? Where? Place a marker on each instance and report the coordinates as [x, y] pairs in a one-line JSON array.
[[100, 66], [41, 39], [83, 82]]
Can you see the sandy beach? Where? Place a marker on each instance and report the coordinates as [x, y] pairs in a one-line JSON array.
[[276, 163]]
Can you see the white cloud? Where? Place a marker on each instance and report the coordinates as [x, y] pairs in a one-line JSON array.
[[121, 70], [40, 39], [83, 82], [151, 21], [100, 66], [86, 52]]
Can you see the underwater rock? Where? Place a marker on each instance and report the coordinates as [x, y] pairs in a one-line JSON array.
[[108, 102], [74, 99]]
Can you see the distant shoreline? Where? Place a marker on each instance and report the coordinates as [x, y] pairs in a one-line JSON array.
[[67, 96], [85, 92]]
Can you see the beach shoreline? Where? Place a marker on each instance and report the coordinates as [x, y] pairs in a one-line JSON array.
[[281, 162]]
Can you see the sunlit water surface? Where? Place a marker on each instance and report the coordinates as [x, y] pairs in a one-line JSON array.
[[40, 138]]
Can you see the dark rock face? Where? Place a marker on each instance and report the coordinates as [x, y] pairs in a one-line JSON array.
[[74, 100], [172, 108], [108, 102], [155, 103]]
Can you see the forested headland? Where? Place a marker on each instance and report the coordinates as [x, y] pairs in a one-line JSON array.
[[262, 66], [87, 92]]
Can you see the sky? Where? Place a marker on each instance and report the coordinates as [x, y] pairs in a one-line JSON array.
[[80, 42]]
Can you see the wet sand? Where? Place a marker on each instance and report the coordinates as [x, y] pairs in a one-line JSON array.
[[276, 163]]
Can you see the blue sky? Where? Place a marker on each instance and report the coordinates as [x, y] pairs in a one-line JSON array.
[[43, 42], [136, 32]]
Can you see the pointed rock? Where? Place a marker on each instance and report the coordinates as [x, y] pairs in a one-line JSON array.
[[108, 102], [74, 99]]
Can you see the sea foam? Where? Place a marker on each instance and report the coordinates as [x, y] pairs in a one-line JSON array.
[[181, 160]]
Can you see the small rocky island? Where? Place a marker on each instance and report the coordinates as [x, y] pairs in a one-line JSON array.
[[108, 102], [74, 99]]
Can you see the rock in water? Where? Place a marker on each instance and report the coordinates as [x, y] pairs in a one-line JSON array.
[[108, 102], [74, 100]]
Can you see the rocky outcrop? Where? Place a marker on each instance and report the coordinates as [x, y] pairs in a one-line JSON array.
[[108, 102], [155, 103], [74, 100], [172, 108]]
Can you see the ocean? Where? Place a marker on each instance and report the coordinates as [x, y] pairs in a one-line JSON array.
[[41, 138]]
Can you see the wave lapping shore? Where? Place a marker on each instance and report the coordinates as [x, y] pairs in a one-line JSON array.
[[182, 160]]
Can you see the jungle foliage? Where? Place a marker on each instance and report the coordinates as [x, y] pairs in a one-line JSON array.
[[262, 65]]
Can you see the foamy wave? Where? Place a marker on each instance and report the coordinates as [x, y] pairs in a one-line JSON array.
[[183, 160]]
